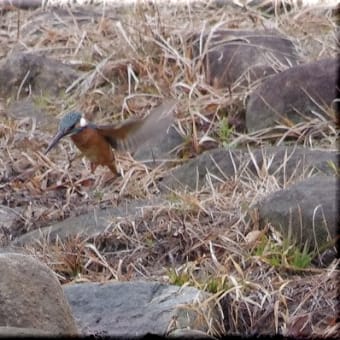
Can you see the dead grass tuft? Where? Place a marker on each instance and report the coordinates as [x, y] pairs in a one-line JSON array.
[[129, 59]]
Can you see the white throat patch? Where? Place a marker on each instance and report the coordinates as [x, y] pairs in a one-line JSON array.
[[83, 122]]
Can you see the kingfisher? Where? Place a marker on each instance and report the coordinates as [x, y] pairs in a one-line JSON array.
[[96, 142]]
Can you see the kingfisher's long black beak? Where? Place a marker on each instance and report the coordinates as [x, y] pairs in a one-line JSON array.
[[55, 140]]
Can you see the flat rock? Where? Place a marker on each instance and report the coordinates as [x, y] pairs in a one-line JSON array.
[[224, 163], [293, 95], [31, 296], [241, 56], [189, 334], [36, 73], [308, 210], [89, 224], [6, 332], [133, 309]]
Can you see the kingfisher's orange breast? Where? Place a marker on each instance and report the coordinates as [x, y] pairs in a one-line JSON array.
[[93, 146]]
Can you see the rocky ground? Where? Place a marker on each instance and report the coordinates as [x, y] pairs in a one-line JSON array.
[[226, 224]]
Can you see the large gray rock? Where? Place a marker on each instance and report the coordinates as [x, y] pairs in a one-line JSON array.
[[308, 211], [293, 95], [130, 309], [192, 174], [240, 57], [284, 162], [35, 73], [31, 297]]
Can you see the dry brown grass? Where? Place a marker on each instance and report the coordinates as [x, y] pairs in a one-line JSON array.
[[131, 58]]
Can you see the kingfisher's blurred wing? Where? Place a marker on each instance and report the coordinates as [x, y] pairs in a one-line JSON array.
[[132, 133]]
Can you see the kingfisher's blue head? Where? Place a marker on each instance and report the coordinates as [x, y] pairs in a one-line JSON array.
[[69, 121], [69, 124]]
